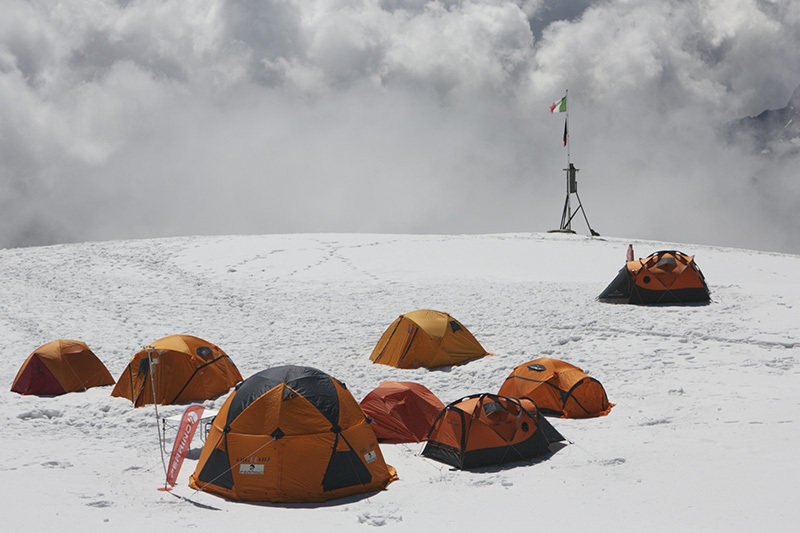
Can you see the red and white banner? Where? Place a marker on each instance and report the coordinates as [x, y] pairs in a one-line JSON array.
[[189, 422]]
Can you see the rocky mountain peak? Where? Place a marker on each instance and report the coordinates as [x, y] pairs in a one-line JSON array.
[[771, 132]]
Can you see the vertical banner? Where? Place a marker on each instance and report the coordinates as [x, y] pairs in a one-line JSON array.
[[189, 422]]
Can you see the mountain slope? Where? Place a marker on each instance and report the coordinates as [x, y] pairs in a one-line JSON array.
[[703, 435]]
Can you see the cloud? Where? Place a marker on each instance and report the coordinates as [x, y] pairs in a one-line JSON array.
[[145, 118]]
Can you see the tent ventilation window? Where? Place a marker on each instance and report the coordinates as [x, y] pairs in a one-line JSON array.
[[491, 407], [204, 351]]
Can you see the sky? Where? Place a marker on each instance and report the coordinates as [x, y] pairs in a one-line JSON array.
[[129, 119]]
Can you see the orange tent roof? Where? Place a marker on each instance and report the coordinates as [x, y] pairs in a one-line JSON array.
[[558, 388], [59, 367]]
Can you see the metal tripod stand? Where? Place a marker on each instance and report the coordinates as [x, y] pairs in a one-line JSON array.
[[567, 215]]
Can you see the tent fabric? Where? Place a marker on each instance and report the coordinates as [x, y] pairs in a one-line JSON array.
[[665, 277], [426, 338], [291, 434], [184, 368], [558, 388], [59, 367], [489, 429], [401, 411]]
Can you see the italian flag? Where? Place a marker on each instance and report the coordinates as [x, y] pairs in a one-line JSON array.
[[559, 106]]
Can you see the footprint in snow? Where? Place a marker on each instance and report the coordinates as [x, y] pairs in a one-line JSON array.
[[612, 462], [491, 480], [57, 464], [655, 422], [100, 504], [378, 519]]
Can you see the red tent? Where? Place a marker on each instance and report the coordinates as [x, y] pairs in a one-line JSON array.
[[401, 411]]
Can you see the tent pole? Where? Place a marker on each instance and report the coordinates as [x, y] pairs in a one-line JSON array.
[[150, 350]]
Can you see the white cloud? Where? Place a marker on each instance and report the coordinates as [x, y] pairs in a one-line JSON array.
[[392, 115], [469, 47]]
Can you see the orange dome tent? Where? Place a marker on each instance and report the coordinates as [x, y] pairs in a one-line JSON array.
[[426, 338], [666, 277], [59, 367], [488, 429], [184, 369], [558, 388], [291, 434], [401, 411]]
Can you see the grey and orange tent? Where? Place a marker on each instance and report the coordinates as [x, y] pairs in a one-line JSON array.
[[59, 367], [489, 429], [401, 411], [181, 368], [558, 388], [665, 277], [291, 434], [426, 338]]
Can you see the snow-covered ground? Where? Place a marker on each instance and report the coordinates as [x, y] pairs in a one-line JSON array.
[[703, 436]]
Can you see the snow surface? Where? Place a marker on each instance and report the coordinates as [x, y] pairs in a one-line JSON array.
[[703, 436]]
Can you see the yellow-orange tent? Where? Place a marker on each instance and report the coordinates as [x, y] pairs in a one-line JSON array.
[[184, 369], [291, 434], [426, 338], [59, 367]]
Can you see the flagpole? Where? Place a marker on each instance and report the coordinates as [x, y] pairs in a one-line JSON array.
[[566, 125], [572, 182], [568, 207]]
